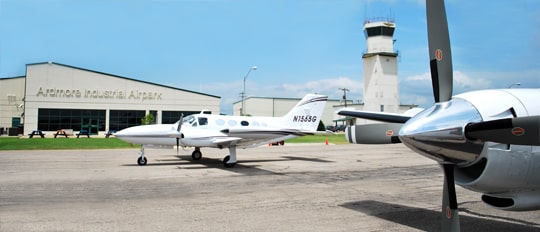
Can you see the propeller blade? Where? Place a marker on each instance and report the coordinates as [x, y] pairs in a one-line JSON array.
[[518, 131], [177, 146], [449, 216], [439, 50], [383, 133], [180, 122]]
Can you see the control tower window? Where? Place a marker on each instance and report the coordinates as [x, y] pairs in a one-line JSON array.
[[376, 31]]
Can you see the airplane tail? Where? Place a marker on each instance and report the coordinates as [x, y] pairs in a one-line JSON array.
[[307, 114]]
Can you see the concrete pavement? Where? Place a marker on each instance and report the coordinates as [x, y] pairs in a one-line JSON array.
[[286, 188]]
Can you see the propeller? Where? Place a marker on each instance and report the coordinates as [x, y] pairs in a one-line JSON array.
[[450, 216], [518, 131], [440, 56], [180, 122], [440, 64]]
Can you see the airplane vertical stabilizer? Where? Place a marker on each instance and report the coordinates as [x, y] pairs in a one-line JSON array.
[[307, 114]]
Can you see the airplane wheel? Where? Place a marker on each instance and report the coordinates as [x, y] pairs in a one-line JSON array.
[[225, 160], [196, 155], [141, 161]]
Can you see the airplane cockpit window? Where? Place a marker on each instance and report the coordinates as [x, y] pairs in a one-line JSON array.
[[255, 123], [203, 121], [244, 123], [190, 120]]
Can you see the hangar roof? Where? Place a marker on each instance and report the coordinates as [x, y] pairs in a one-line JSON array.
[[127, 78]]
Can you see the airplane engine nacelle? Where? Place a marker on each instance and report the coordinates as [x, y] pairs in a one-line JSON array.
[[380, 133], [509, 176]]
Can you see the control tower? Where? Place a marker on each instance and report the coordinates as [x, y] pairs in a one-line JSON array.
[[381, 91]]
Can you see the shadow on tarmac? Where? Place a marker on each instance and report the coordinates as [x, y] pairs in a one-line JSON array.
[[429, 220], [186, 162]]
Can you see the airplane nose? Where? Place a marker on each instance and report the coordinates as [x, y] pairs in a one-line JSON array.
[[438, 132], [120, 133]]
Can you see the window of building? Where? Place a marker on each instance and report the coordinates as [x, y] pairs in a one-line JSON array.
[[121, 119], [381, 30], [76, 119]]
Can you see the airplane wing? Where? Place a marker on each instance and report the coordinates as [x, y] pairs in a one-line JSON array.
[[378, 116], [256, 136], [226, 141]]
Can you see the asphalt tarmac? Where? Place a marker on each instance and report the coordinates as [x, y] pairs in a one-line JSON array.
[[312, 187]]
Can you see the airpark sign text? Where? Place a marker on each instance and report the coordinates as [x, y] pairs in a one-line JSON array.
[[99, 94]]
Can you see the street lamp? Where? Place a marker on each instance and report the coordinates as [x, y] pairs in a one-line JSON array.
[[242, 111]]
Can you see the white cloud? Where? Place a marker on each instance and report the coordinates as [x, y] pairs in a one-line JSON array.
[[416, 89], [463, 81], [329, 86]]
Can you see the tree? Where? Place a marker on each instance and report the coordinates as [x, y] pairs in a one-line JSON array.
[[148, 119]]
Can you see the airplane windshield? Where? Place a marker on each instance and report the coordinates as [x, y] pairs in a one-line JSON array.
[[189, 120]]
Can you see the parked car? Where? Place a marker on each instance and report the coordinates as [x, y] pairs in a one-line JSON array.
[[341, 128]]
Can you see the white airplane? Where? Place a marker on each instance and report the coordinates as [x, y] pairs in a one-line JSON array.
[[205, 130], [486, 141]]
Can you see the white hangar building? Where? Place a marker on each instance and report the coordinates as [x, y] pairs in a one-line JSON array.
[[55, 96]]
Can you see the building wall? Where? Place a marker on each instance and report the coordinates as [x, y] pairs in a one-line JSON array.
[[381, 83], [11, 100], [56, 86]]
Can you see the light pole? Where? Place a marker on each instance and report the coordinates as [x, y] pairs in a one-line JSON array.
[[345, 90], [242, 111]]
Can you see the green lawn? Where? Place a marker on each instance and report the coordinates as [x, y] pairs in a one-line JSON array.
[[15, 143], [332, 138]]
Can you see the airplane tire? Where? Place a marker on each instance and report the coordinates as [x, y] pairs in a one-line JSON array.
[[196, 155], [227, 165], [141, 161]]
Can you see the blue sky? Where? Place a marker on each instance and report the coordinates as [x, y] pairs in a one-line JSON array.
[[299, 47]]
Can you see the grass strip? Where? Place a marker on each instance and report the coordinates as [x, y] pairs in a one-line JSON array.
[[15, 143]]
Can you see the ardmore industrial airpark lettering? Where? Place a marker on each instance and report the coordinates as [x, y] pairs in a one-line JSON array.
[[99, 94]]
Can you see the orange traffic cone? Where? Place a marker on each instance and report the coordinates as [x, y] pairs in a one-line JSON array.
[[326, 141]]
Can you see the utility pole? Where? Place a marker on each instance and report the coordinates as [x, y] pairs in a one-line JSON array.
[[345, 90]]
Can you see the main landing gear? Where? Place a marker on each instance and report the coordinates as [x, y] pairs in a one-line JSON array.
[[197, 154], [229, 161]]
